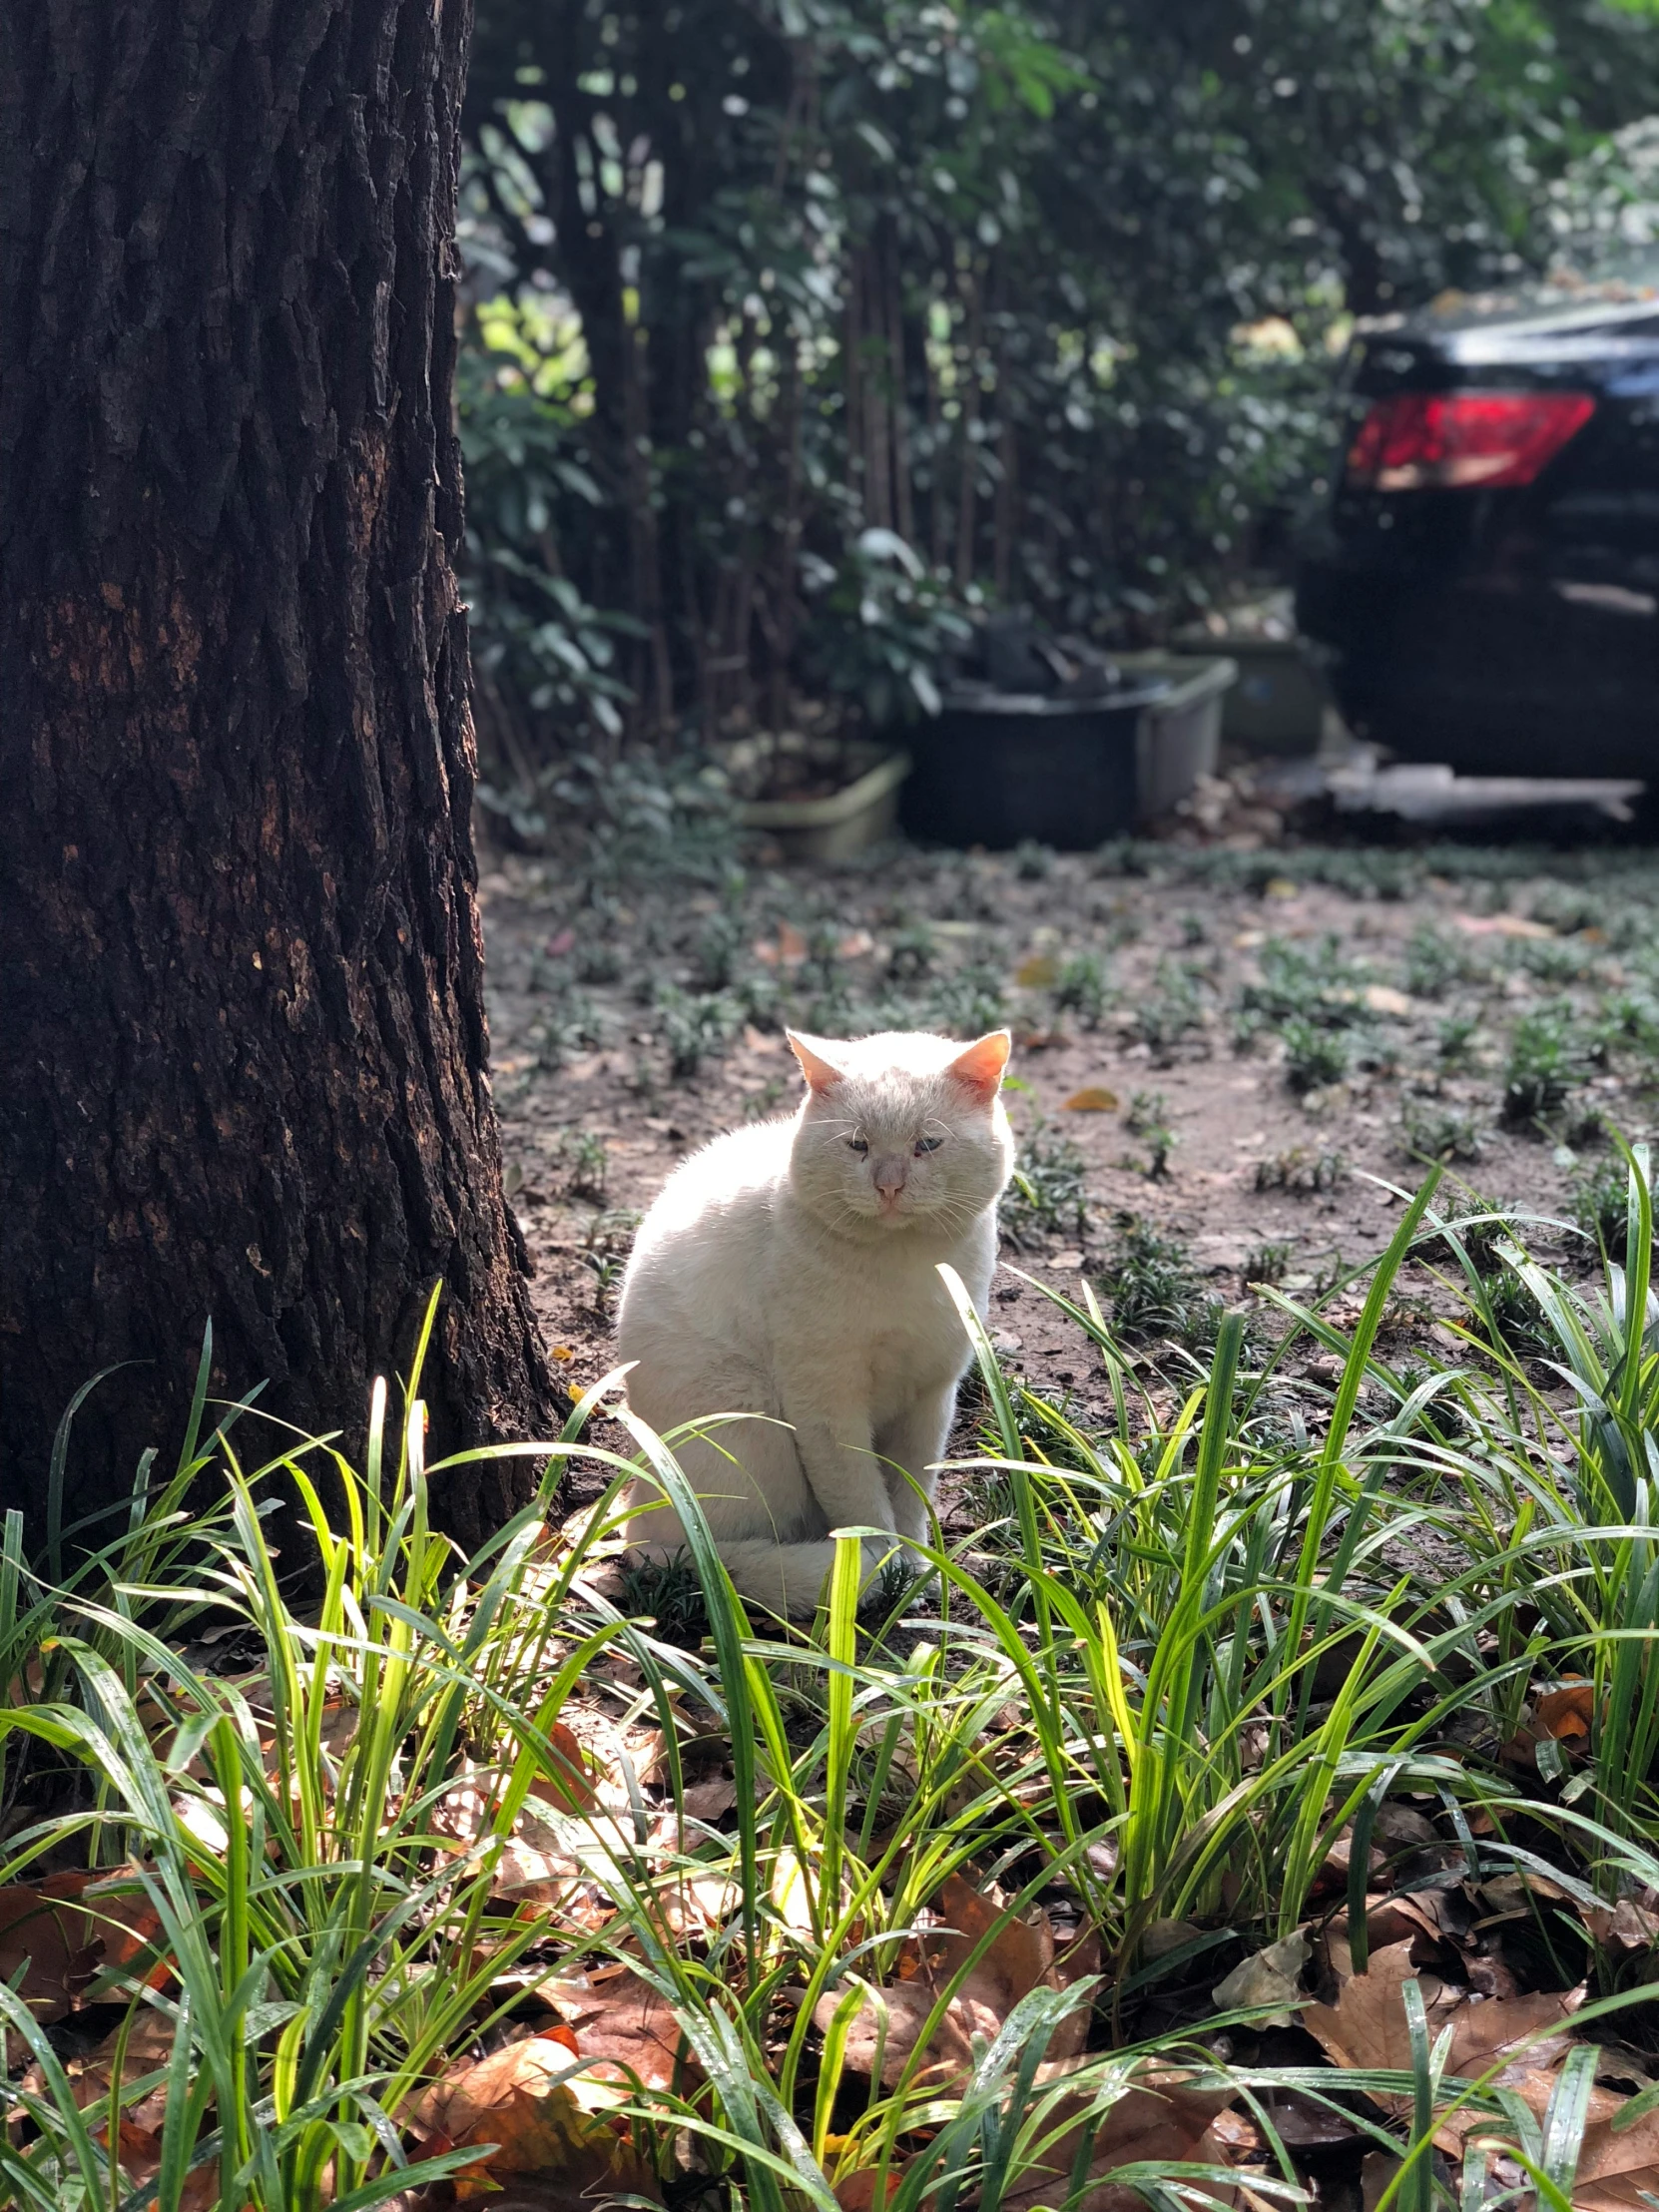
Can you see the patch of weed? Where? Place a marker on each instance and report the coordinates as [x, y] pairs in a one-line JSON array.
[[1554, 960], [912, 951], [1145, 1117], [1440, 1132], [1546, 1062], [1032, 862], [1120, 924], [1301, 982], [587, 1163], [759, 997], [1600, 1202], [1314, 1057], [1046, 1195], [1363, 872], [1153, 1287], [988, 1495], [1433, 961], [1080, 987], [694, 1029], [1631, 1019], [1269, 1263], [1517, 1322], [719, 943], [1301, 1171], [599, 960], [1567, 908], [606, 1268], [605, 1253], [571, 1024], [766, 1100], [641, 1080], [1173, 1007], [1455, 1039], [667, 1591], [897, 1586], [968, 1002], [828, 1013], [824, 967], [1479, 1231]]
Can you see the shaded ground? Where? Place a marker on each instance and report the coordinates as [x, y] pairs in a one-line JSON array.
[[1242, 1050]]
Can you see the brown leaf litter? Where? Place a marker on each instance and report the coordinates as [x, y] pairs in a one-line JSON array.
[[1021, 1955]]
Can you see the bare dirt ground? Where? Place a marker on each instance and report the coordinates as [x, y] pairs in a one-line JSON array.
[[1251, 1052]]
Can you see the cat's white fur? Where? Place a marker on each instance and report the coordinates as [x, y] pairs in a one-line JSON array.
[[784, 1272]]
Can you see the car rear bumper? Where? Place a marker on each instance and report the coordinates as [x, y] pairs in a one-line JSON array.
[[1492, 674]]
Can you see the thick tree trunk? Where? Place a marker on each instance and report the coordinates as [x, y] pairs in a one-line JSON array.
[[244, 1059]]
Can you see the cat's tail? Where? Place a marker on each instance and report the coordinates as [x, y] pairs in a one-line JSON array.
[[787, 1579], [784, 1579]]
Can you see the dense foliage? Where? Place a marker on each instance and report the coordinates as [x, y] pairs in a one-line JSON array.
[[1175, 1774], [1050, 294]]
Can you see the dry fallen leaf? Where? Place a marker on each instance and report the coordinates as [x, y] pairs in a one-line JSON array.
[[1618, 2168], [534, 1866], [857, 2192], [1389, 1920], [139, 2151], [1565, 1710], [1396, 1831], [141, 2156], [626, 2028], [1376, 2169], [691, 1905], [788, 951], [1162, 2121], [1624, 1927], [539, 2124], [1367, 2027], [1268, 1977], [1500, 925], [1094, 1098], [148, 2047], [1038, 972], [1559, 1716], [1383, 998], [707, 1801], [1021, 1955], [568, 1785], [790, 1890], [48, 1926]]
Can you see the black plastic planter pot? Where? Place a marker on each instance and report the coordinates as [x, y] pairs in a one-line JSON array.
[[992, 769]]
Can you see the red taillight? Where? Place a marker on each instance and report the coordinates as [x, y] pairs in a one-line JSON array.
[[1438, 441]]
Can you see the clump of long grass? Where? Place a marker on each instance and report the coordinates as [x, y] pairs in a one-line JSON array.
[[1199, 1644]]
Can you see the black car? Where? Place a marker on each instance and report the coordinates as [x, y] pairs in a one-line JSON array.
[[1485, 582]]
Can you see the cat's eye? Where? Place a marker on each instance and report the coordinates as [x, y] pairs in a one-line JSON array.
[[927, 1144], [858, 1145]]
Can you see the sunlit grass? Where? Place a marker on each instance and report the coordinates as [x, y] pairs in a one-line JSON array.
[[1174, 1660]]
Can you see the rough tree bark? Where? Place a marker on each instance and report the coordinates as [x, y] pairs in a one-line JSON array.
[[243, 1057]]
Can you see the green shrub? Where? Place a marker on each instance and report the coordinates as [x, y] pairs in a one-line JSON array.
[[1314, 1057], [1546, 1062], [1046, 1195], [1205, 1642]]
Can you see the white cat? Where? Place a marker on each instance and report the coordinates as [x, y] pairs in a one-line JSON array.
[[791, 1269]]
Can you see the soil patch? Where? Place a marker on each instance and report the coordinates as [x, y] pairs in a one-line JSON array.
[[1251, 1055]]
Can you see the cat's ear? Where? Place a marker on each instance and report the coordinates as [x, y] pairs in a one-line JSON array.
[[980, 1066], [821, 1074]]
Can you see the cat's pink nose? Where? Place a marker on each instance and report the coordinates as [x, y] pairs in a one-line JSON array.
[[891, 1176]]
